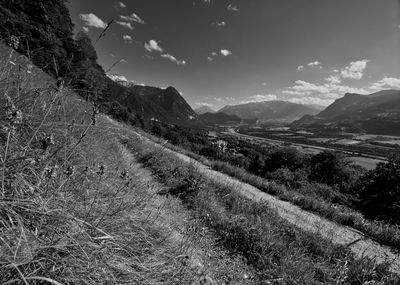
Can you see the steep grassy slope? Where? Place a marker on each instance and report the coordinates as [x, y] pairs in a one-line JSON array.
[[76, 208]]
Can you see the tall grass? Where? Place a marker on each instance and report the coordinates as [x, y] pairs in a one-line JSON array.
[[279, 253], [72, 210]]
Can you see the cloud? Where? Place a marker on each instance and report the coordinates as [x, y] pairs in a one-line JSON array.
[[117, 77], [300, 67], [210, 58], [201, 104], [92, 20], [311, 100], [132, 18], [125, 24], [121, 5], [264, 84], [233, 8], [207, 1], [225, 52], [214, 54], [85, 29], [333, 79], [221, 24], [355, 70], [328, 90], [173, 59], [127, 38], [260, 98], [314, 63], [220, 100], [152, 45], [386, 83]]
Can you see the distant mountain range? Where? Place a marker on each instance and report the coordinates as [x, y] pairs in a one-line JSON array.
[[270, 111], [219, 119], [378, 113], [204, 109]]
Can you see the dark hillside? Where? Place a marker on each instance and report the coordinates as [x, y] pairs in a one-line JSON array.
[[43, 32]]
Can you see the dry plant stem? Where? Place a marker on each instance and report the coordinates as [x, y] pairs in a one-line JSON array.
[[41, 123], [4, 164]]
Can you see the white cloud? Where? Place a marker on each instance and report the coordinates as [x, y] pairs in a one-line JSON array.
[[300, 67], [311, 100], [207, 1], [386, 83], [264, 84], [221, 24], [330, 90], [225, 52], [132, 18], [210, 58], [173, 59], [333, 79], [214, 54], [260, 98], [121, 5], [117, 77], [92, 20], [220, 100], [355, 70], [314, 63], [233, 8], [125, 24], [201, 104], [152, 45], [85, 29], [127, 38]]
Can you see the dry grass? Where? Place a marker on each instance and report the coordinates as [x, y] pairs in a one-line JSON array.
[[72, 210], [279, 253]]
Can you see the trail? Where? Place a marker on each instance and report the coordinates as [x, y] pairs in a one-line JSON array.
[[359, 244]]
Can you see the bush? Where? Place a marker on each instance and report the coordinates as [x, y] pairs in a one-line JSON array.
[[379, 196]]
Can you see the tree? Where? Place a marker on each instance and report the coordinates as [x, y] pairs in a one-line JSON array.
[[379, 196], [330, 168]]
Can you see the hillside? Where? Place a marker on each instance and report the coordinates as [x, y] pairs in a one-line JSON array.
[[269, 111], [219, 119], [165, 105], [203, 109], [73, 59], [377, 113]]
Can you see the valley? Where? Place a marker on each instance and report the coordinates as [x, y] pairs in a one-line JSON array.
[[364, 153]]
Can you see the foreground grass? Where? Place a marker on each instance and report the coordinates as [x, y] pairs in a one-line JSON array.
[[72, 211], [279, 252]]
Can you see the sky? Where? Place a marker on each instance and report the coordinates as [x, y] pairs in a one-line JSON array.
[[228, 52]]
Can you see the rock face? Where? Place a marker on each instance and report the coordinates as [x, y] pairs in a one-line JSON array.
[[378, 113], [270, 111]]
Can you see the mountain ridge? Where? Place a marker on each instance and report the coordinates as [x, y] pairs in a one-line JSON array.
[[269, 110], [377, 113]]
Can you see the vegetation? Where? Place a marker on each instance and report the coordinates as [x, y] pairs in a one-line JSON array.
[[325, 183], [279, 252], [73, 208]]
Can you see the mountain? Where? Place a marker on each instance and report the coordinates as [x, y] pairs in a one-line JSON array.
[[204, 109], [219, 119], [270, 110], [378, 113], [165, 105]]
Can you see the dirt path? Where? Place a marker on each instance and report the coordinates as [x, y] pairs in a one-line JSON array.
[[198, 250], [338, 234]]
